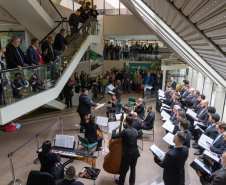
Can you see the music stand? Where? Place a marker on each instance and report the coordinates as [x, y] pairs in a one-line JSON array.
[[112, 109], [127, 111]]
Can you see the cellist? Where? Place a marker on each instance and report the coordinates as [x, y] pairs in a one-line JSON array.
[[130, 152]]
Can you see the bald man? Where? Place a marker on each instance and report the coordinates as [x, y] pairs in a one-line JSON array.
[[203, 115], [218, 177], [137, 122], [139, 108]]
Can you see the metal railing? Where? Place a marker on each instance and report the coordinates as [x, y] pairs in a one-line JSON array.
[[16, 181]]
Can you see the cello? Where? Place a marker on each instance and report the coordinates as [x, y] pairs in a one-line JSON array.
[[112, 161]]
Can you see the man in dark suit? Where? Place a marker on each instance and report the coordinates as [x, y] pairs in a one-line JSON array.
[[84, 107], [74, 21], [70, 176], [15, 57], [186, 92], [149, 120], [130, 152], [190, 96], [203, 115], [173, 83], [48, 51], [174, 161], [218, 146], [198, 108], [216, 178], [182, 90], [180, 116], [33, 54], [127, 78], [195, 100], [60, 44], [140, 108], [210, 132], [137, 122], [183, 126]]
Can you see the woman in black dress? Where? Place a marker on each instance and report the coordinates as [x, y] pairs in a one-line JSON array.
[[48, 161], [91, 132]]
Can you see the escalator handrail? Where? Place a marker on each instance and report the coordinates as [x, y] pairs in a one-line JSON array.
[[56, 9], [34, 67]]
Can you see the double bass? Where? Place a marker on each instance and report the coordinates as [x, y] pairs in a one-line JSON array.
[[112, 161]]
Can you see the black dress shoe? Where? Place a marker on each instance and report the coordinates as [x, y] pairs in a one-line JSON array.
[[198, 153], [116, 181], [195, 143], [195, 146]]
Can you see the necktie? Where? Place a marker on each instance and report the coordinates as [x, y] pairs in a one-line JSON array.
[[20, 56], [40, 57]]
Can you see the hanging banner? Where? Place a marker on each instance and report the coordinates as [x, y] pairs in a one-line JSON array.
[[138, 66]]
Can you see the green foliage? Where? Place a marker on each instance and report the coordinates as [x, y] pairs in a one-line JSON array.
[[156, 65]]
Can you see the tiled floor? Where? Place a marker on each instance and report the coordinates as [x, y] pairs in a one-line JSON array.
[[147, 172]]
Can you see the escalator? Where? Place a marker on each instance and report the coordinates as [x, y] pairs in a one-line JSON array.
[[16, 107]]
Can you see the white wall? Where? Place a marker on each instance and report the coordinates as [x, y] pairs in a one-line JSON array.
[[124, 25]]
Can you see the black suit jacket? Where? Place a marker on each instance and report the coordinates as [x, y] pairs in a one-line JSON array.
[[217, 178], [188, 138], [37, 178], [203, 116], [148, 122], [195, 102], [182, 90], [173, 117], [198, 108], [91, 132], [173, 165], [137, 123], [185, 94], [173, 85], [219, 146], [140, 111], [50, 56], [129, 142], [69, 182], [211, 132], [85, 104], [189, 97], [13, 58], [48, 163]]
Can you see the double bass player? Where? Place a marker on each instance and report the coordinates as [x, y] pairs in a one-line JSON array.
[[130, 152]]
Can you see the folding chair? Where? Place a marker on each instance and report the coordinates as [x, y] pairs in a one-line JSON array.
[[150, 130], [130, 105], [85, 143]]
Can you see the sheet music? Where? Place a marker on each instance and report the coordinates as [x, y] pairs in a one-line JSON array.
[[169, 139], [165, 115], [195, 123], [209, 154], [191, 113], [118, 116], [102, 121], [202, 141], [168, 126], [100, 105], [160, 91], [159, 153], [164, 105], [110, 92], [111, 87], [202, 165], [64, 141], [112, 125], [198, 128]]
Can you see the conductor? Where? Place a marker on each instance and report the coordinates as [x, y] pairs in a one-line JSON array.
[[84, 108]]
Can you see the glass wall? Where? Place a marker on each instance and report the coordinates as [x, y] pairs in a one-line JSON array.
[[5, 36]]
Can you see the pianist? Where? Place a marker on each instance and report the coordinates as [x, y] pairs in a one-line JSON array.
[[48, 161]]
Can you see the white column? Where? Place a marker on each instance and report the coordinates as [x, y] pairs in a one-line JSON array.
[[194, 79], [200, 82], [208, 89], [219, 99], [190, 75]]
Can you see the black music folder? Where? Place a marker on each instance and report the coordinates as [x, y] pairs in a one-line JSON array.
[[197, 165], [207, 154]]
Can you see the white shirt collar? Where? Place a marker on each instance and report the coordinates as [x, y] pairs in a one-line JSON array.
[[34, 47]]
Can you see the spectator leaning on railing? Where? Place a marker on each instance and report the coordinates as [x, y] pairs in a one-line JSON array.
[[33, 54], [15, 57]]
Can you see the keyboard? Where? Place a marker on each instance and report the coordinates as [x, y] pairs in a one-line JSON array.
[[67, 153]]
